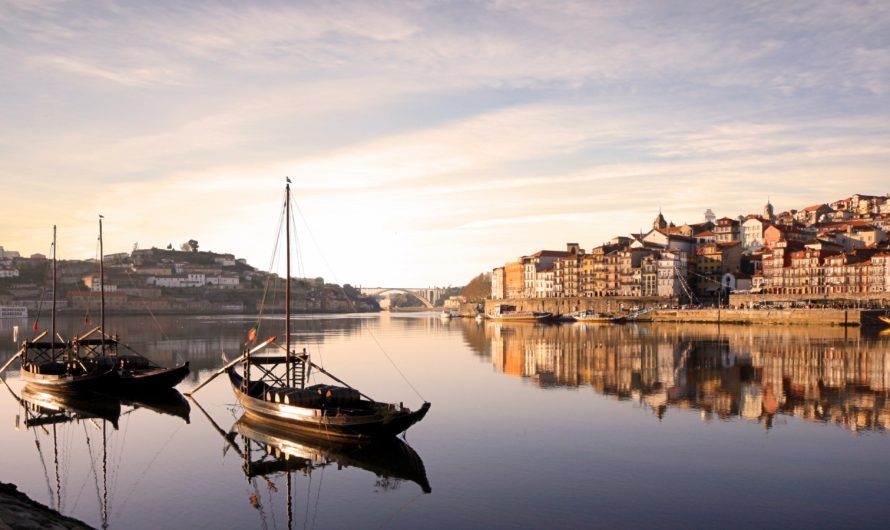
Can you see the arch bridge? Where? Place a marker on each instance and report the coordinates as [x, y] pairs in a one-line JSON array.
[[429, 297]]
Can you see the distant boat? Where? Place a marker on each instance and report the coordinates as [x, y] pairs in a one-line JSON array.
[[508, 313], [283, 400], [448, 314], [592, 317], [885, 319]]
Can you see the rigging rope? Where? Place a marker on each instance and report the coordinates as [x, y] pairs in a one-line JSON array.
[[352, 304], [317, 497], [272, 262], [92, 464], [147, 467]]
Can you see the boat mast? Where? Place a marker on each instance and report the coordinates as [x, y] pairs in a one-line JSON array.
[[52, 338], [101, 288], [287, 286]]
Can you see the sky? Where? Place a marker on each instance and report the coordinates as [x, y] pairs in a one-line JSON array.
[[427, 141]]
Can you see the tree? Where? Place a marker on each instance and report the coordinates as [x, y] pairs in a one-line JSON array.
[[478, 289], [190, 246]]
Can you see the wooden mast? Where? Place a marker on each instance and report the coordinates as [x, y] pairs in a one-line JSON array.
[[52, 338], [287, 286], [101, 288]]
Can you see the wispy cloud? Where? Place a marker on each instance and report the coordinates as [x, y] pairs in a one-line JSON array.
[[416, 128]]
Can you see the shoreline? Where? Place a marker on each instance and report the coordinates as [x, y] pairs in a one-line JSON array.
[[848, 317], [17, 510]]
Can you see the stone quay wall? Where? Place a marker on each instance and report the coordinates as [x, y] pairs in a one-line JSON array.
[[713, 315], [767, 317], [564, 306]]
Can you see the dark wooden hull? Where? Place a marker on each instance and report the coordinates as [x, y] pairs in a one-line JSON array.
[[151, 379], [387, 457], [374, 421], [66, 382]]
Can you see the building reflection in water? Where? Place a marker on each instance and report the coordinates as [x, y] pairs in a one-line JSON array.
[[829, 375]]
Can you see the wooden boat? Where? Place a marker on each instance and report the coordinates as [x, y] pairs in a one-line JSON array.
[[591, 317], [387, 457], [280, 397], [52, 363], [885, 319], [136, 372], [508, 313]]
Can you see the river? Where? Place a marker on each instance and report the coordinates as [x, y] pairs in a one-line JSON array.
[[559, 426]]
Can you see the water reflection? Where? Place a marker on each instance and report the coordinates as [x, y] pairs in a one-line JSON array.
[[270, 453], [828, 375], [60, 423], [170, 340]]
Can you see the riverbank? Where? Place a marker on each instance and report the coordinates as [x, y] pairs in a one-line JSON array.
[[656, 313], [17, 510], [768, 317]]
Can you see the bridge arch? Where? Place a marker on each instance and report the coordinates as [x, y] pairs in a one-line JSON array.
[[426, 302]]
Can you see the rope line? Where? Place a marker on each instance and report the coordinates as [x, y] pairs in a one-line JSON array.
[[352, 303]]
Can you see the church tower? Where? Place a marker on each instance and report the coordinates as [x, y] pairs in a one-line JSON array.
[[768, 211], [659, 223], [709, 216]]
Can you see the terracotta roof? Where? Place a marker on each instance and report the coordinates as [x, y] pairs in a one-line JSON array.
[[706, 233], [549, 254], [812, 208]]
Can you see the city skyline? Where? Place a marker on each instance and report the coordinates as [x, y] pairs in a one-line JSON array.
[[428, 142]]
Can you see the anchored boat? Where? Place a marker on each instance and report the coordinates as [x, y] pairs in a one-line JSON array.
[[136, 373], [271, 386], [388, 457], [52, 363], [508, 313], [592, 317]]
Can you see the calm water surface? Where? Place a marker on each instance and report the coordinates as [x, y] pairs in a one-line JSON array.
[[560, 426]]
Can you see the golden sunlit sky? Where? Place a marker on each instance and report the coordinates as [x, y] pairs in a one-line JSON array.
[[428, 141]]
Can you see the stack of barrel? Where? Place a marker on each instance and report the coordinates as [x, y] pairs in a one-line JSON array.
[[315, 396]]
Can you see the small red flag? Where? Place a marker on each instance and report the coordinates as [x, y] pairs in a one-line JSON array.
[[35, 326], [251, 335]]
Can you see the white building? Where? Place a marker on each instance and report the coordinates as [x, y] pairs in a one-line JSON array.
[[497, 283], [178, 282], [752, 233], [672, 271], [224, 281]]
